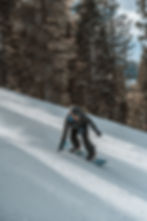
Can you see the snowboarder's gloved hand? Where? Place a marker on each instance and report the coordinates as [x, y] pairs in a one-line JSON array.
[[61, 147], [99, 133]]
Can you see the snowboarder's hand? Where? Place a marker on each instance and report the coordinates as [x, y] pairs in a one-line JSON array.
[[62, 145], [60, 149], [99, 134]]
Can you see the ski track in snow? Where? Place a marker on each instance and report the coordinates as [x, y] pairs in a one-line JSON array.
[[131, 205]]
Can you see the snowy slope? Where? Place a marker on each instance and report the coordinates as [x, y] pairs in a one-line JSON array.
[[38, 184]]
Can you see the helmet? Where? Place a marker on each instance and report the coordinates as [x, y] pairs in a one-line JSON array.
[[76, 110]]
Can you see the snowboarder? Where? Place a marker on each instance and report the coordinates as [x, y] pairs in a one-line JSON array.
[[77, 122]]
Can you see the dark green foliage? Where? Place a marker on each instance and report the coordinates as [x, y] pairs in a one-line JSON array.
[[131, 71], [102, 46], [38, 51], [142, 5]]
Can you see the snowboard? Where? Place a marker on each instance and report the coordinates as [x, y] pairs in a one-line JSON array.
[[97, 161]]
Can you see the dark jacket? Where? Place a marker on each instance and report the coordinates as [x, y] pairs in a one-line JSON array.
[[80, 125]]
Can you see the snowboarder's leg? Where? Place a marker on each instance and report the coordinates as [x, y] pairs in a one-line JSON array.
[[75, 141], [88, 145]]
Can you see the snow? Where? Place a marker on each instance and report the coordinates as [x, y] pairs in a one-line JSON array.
[[39, 184]]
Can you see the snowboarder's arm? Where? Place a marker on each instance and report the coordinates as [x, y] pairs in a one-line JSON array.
[[94, 127], [64, 135]]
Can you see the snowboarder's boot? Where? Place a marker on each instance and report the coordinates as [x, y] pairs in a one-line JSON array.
[[91, 156], [74, 149]]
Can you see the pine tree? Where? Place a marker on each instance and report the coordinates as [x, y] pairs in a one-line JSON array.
[[6, 7], [99, 80], [142, 5], [142, 25], [40, 49]]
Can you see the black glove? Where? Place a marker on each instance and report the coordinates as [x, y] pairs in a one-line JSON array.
[[59, 149], [99, 133]]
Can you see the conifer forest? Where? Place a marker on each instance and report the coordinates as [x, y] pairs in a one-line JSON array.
[[76, 53]]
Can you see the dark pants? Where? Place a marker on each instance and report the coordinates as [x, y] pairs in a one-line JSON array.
[[87, 144]]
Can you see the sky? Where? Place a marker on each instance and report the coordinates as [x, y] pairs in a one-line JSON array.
[[129, 8]]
